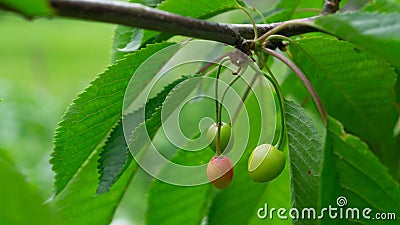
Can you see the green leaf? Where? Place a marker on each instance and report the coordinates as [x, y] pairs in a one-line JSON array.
[[90, 118], [135, 42], [139, 139], [170, 205], [397, 146], [114, 159], [200, 9], [397, 91], [122, 37], [28, 8], [354, 86], [378, 33], [78, 203], [289, 9], [330, 187], [282, 11], [305, 157], [20, 202], [358, 175], [115, 155], [127, 38], [294, 89], [383, 6]]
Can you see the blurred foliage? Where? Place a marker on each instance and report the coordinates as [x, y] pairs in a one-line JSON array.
[[28, 8], [30, 205], [41, 70]]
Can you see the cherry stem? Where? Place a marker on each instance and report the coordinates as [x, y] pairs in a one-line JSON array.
[[304, 79], [251, 20], [218, 110], [271, 78], [219, 104], [226, 90], [279, 37], [210, 64], [279, 95], [281, 27]]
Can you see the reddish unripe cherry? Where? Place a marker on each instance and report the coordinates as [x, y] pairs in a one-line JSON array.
[[220, 171]]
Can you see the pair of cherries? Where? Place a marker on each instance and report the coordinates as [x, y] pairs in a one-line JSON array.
[[266, 162]]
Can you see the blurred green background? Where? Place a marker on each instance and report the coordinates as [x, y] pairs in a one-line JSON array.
[[44, 64]]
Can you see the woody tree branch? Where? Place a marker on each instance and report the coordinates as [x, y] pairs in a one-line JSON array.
[[140, 16]]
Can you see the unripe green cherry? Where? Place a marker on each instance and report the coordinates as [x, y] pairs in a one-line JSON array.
[[220, 171], [265, 163], [225, 135]]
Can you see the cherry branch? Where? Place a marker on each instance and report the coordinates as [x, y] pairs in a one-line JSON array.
[[140, 16]]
